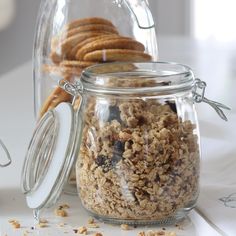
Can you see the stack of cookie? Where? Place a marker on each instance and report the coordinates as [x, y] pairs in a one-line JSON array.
[[86, 42]]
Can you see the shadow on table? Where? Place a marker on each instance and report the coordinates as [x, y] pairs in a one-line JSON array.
[[212, 130], [12, 203]]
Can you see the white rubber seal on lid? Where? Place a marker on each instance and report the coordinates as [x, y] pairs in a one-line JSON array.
[[38, 198]]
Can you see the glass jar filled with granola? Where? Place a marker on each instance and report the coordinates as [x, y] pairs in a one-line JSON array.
[[132, 134], [139, 155]]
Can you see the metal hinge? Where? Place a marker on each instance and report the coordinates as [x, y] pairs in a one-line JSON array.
[[199, 89]]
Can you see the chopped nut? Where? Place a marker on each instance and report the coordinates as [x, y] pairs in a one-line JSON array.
[[160, 233], [82, 230], [125, 227], [61, 212], [12, 221], [91, 221], [16, 225], [42, 225], [141, 234], [43, 221]]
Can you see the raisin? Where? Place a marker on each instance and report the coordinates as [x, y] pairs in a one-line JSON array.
[[157, 179], [131, 142], [141, 121], [172, 106], [114, 114], [119, 147], [104, 162], [101, 160]]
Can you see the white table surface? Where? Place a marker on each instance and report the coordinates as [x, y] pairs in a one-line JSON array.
[[212, 62]]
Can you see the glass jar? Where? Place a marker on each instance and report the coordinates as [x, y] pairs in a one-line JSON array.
[[132, 131], [139, 156], [72, 35]]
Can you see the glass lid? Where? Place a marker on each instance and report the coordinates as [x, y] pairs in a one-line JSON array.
[[50, 156]]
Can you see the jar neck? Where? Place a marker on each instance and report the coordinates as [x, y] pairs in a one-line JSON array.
[[137, 78]]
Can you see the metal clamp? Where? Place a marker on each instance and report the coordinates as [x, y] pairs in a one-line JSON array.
[[7, 154], [73, 89], [199, 89]]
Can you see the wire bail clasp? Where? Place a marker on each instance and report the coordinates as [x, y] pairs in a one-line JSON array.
[[199, 89], [2, 145], [73, 89]]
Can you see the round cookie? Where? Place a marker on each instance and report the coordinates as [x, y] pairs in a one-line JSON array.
[[71, 55], [114, 43], [74, 64], [71, 42], [91, 28], [88, 21], [117, 55]]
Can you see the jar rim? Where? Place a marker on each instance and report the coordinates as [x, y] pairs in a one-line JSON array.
[[137, 77]]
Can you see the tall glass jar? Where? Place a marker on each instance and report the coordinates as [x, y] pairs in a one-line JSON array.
[[139, 155], [72, 35]]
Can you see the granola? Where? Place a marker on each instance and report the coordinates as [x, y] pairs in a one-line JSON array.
[[138, 160]]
